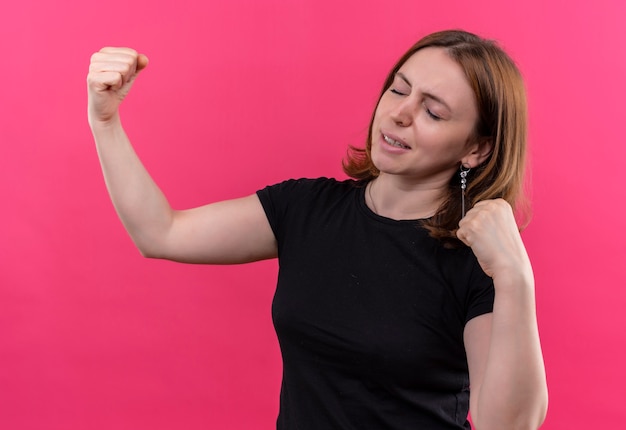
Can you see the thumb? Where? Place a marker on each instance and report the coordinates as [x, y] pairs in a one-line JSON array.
[[462, 236], [142, 62]]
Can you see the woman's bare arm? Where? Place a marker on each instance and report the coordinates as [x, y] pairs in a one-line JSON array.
[[507, 375], [229, 232]]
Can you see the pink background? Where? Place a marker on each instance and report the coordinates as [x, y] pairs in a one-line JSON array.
[[244, 93]]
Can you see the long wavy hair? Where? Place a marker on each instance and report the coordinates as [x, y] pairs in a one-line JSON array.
[[502, 118]]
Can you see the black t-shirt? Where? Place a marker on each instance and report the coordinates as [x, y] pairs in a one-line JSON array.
[[369, 313]]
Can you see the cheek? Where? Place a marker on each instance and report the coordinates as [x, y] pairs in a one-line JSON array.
[[382, 109], [443, 135], [377, 114], [375, 125]]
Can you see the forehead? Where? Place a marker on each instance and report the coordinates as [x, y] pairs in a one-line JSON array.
[[433, 71]]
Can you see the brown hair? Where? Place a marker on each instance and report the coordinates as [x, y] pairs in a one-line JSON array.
[[502, 118]]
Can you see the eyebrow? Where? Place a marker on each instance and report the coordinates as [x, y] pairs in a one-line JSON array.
[[427, 94]]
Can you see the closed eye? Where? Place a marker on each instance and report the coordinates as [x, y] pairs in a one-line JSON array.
[[432, 115], [395, 91]]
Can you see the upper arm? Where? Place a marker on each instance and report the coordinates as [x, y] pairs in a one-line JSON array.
[[477, 337], [227, 232]]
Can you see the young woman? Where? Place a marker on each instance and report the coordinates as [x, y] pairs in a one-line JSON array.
[[405, 296]]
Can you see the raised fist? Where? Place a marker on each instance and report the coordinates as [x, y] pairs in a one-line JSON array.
[[111, 75]]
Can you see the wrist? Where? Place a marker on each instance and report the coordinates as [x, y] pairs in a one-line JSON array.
[[100, 125], [514, 280]]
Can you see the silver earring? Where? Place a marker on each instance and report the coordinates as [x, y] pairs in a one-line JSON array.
[[463, 173]]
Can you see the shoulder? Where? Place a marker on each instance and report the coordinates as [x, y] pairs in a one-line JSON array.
[[300, 204], [306, 188], [315, 183]]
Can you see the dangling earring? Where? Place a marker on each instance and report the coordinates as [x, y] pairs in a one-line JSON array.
[[463, 173]]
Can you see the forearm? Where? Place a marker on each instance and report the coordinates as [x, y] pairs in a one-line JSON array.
[[513, 393], [140, 204]]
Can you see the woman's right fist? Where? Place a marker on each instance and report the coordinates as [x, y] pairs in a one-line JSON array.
[[111, 74]]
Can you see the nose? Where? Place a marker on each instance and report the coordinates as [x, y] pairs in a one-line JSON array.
[[402, 113]]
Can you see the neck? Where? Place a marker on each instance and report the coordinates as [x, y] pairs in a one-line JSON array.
[[394, 198]]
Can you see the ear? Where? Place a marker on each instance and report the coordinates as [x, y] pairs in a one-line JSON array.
[[478, 151]]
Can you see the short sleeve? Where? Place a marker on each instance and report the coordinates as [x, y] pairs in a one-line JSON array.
[[286, 200], [481, 292]]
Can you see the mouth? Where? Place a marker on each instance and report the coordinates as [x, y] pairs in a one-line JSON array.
[[394, 142]]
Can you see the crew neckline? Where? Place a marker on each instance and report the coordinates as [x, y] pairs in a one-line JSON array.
[[373, 215]]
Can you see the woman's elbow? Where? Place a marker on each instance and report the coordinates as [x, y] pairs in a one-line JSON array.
[[530, 417]]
